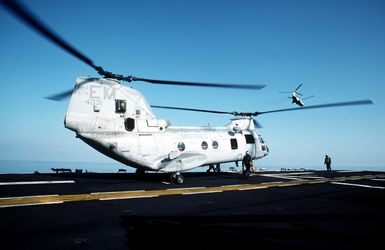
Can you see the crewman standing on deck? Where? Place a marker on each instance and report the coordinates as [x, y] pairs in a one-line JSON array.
[[246, 162], [328, 163]]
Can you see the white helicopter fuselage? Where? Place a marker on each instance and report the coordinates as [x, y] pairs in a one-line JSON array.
[[117, 121], [297, 100]]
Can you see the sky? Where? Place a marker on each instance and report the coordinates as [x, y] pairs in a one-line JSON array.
[[336, 49]]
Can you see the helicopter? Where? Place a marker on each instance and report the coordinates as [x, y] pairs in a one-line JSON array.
[[295, 96], [117, 120]]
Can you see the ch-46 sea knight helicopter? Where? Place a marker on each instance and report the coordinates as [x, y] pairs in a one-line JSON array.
[[118, 121], [295, 96]]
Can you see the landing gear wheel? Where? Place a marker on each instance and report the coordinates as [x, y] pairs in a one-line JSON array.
[[177, 178]]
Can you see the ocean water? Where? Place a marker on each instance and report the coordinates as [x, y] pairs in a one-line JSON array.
[[18, 167]]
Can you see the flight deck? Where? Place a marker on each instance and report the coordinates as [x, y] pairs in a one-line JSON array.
[[281, 209]]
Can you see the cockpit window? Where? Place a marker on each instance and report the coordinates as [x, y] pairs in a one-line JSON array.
[[261, 140], [250, 139]]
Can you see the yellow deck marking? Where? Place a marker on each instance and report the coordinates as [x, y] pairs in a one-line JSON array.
[[251, 188], [203, 192], [235, 185], [129, 197], [185, 188], [54, 199]]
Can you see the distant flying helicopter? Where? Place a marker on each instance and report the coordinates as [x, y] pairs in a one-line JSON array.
[[118, 121], [295, 98]]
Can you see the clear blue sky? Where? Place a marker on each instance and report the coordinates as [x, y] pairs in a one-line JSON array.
[[336, 49]]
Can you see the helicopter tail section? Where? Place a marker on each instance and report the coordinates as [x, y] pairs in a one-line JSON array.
[[88, 104], [104, 114], [102, 105]]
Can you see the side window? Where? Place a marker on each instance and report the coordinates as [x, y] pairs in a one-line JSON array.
[[234, 143], [204, 145], [120, 106], [250, 139], [181, 146], [215, 145], [129, 124]]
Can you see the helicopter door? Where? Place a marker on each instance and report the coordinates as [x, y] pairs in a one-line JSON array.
[[250, 145]]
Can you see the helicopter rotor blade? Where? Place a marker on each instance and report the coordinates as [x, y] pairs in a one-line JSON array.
[[297, 88], [199, 84], [60, 96], [235, 113], [257, 124], [66, 94], [308, 97], [196, 110], [327, 105], [22, 12]]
